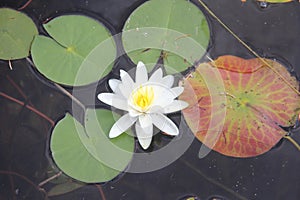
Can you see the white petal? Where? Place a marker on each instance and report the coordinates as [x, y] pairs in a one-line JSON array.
[[141, 74], [168, 81], [113, 84], [133, 112], [125, 90], [156, 76], [155, 109], [125, 77], [145, 120], [177, 90], [113, 100], [121, 125], [144, 135], [164, 124], [163, 96], [126, 86], [175, 106]]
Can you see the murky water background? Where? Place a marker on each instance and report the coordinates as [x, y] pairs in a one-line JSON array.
[[272, 31]]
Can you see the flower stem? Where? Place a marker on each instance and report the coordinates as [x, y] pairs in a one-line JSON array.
[[29, 107], [63, 90], [101, 191], [290, 139], [50, 179], [247, 47], [211, 180], [25, 179], [25, 5]]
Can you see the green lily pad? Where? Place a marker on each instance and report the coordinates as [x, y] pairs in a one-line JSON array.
[[71, 145], [115, 153], [163, 19], [67, 58], [17, 31]]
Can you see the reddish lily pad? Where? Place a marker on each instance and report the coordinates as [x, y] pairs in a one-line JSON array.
[[236, 64], [257, 103]]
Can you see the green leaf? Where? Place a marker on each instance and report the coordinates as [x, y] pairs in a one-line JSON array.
[[177, 27], [71, 147], [115, 153], [69, 57], [64, 188], [17, 31]]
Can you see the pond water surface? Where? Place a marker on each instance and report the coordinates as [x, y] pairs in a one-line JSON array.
[[272, 30]]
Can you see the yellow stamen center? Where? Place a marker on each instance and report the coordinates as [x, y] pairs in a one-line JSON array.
[[143, 97]]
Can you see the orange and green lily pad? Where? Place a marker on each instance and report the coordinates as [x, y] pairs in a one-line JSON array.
[[257, 104]]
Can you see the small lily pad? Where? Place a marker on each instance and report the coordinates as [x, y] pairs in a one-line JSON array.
[[65, 58], [17, 31], [71, 145], [161, 19], [258, 103]]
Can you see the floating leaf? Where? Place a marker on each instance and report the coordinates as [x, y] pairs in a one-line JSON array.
[[71, 145], [257, 103], [65, 188], [158, 26], [67, 57], [236, 64], [115, 153], [17, 31]]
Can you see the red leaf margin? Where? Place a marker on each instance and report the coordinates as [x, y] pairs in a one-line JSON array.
[[257, 103]]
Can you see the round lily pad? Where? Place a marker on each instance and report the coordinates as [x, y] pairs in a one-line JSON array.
[[17, 31], [71, 146], [258, 103], [66, 57], [162, 18]]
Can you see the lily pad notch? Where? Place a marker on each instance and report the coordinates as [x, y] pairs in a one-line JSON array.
[[17, 31], [66, 54], [81, 151], [167, 15]]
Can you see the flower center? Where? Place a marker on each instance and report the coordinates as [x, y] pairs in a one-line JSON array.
[[143, 97]]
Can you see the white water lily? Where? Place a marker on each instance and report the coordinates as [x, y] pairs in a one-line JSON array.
[[146, 102]]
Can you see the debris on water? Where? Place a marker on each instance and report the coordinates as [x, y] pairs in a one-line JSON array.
[[263, 4], [217, 198], [190, 197]]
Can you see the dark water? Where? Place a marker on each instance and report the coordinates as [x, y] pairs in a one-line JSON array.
[[273, 31]]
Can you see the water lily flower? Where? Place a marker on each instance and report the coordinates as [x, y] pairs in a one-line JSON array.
[[146, 102]]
